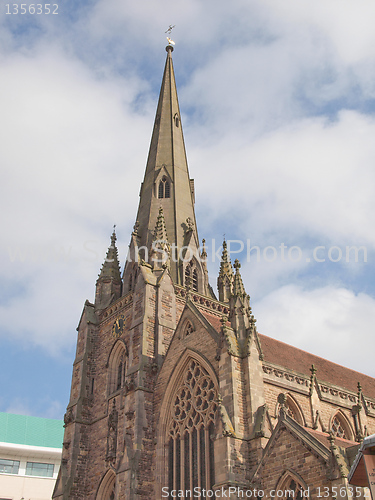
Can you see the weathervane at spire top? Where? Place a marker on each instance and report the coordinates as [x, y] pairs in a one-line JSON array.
[[169, 30]]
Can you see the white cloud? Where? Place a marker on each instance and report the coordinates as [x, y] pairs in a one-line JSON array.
[[312, 177], [331, 322]]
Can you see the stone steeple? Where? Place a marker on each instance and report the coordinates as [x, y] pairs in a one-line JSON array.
[[225, 279], [167, 185], [108, 285]]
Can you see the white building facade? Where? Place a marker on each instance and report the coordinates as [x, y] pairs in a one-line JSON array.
[[30, 455]]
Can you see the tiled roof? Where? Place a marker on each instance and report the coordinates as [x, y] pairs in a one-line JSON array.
[[323, 438], [213, 319], [32, 431], [292, 358], [287, 356]]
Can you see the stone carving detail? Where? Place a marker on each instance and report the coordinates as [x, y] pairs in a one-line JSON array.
[[202, 300], [287, 376], [335, 392], [112, 434], [68, 417]]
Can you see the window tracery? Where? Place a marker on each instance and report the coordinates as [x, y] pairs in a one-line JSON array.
[[338, 428], [188, 329], [289, 411], [291, 408], [191, 429], [293, 489]]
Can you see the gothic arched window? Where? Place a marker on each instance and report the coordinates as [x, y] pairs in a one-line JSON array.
[[191, 431], [107, 486], [292, 486], [339, 427], [164, 188], [191, 276], [293, 410], [116, 368]]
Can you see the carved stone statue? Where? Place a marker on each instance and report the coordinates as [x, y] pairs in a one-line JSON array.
[[112, 433]]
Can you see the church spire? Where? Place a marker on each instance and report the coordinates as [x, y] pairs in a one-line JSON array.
[[167, 183]]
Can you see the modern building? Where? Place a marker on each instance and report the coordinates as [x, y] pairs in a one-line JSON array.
[[30, 456], [174, 392]]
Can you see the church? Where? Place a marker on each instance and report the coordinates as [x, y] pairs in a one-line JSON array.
[[174, 392]]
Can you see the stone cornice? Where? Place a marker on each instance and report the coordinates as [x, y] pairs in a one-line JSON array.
[[121, 305], [286, 379], [289, 379], [211, 305]]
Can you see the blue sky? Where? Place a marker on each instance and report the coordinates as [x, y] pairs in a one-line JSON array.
[[277, 102]]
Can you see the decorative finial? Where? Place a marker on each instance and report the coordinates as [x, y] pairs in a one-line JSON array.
[[204, 253], [359, 393], [113, 237], [236, 265]]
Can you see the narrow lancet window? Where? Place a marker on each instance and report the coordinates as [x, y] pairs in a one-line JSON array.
[[119, 376], [167, 191], [195, 280], [164, 188]]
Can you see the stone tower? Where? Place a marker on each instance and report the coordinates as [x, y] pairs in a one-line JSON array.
[[174, 390]]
